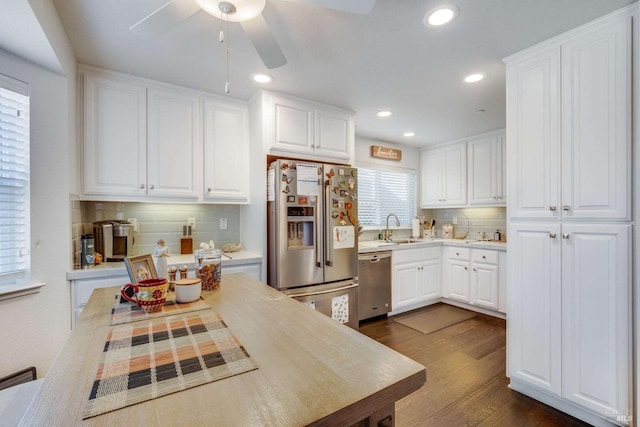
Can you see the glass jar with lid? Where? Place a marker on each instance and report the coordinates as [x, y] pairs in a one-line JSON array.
[[209, 268]]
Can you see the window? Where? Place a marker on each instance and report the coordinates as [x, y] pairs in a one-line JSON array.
[[381, 192], [14, 180]]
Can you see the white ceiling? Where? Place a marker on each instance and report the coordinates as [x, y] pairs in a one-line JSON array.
[[387, 59]]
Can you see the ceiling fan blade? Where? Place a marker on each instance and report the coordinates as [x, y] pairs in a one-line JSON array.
[[362, 7], [163, 19], [264, 42]]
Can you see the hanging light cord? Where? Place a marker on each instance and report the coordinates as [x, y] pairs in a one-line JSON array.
[[226, 85]]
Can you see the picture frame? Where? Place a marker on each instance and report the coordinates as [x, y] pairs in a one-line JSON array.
[[140, 267]]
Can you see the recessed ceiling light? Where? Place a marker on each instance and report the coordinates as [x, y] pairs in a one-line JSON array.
[[441, 15], [384, 113], [475, 77], [262, 78], [408, 134]]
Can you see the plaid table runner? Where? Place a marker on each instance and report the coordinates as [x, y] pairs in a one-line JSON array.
[[126, 312], [145, 360]]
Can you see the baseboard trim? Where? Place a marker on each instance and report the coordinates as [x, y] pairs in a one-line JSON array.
[[563, 405]]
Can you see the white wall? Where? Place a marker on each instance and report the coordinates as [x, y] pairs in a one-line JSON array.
[[34, 327], [410, 155]]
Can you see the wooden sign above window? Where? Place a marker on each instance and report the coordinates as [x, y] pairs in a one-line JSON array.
[[386, 153]]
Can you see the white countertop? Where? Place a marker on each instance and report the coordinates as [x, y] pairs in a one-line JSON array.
[[107, 269], [368, 246]]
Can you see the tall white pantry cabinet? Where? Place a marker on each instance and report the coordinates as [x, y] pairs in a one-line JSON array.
[[569, 138]]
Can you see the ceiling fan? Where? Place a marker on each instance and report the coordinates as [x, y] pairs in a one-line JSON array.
[[246, 12]]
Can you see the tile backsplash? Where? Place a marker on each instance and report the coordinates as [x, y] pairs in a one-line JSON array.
[[469, 220], [158, 221]]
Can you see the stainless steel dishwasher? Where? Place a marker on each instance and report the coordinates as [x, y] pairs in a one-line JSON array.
[[374, 294]]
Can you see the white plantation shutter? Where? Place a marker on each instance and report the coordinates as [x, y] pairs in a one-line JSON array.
[[14, 177], [382, 192]]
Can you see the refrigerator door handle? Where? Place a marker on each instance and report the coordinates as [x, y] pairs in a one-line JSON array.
[[328, 245], [319, 228]]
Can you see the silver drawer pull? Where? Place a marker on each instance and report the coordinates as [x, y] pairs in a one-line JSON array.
[[552, 235], [141, 186], [566, 208], [552, 208], [565, 235]]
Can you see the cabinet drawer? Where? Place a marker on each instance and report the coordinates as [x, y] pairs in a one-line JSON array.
[[415, 255], [484, 256], [459, 253], [83, 289]]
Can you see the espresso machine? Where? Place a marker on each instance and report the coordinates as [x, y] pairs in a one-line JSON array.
[[113, 239]]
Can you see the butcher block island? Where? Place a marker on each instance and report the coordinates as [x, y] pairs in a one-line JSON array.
[[311, 370]]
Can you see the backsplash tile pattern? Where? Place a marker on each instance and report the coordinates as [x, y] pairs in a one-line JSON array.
[[162, 221], [470, 220]]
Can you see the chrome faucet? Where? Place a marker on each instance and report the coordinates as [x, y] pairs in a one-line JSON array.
[[387, 232]]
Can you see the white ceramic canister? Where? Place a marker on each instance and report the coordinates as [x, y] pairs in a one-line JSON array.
[[447, 231], [188, 290]]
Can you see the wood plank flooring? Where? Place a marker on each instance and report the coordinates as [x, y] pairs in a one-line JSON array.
[[466, 377]]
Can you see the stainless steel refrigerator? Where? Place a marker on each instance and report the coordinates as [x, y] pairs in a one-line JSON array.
[[313, 235]]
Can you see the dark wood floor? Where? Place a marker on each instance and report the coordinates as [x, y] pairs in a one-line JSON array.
[[466, 381]]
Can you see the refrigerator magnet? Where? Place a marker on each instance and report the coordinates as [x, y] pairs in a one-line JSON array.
[[341, 203], [302, 200], [291, 199], [348, 205], [340, 171]]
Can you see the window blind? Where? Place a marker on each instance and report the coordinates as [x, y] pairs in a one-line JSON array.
[[14, 177], [382, 192]]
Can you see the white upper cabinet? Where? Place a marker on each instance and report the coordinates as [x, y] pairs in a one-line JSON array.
[[148, 140], [569, 127], [443, 173], [533, 136], [596, 123], [174, 144], [115, 137], [226, 150], [486, 170], [308, 129]]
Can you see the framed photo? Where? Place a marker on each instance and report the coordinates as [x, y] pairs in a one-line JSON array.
[[140, 267]]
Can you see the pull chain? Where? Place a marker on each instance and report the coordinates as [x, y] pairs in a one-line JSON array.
[[226, 85]]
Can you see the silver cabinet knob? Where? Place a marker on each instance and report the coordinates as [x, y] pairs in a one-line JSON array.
[[466, 268], [141, 186], [565, 235], [457, 253], [552, 208], [151, 187], [566, 208], [484, 257], [474, 269], [209, 189], [552, 235]]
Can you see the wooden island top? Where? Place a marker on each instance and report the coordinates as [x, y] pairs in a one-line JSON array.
[[311, 370]]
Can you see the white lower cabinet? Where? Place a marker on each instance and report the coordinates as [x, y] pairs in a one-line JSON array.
[[569, 308], [416, 277], [484, 280]]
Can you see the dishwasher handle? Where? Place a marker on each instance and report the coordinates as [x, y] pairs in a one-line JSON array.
[[374, 257]]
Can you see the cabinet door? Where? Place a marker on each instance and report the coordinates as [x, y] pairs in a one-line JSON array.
[[226, 150], [484, 177], [533, 136], [293, 125], [534, 305], [484, 285], [174, 142], [454, 181], [115, 137], [334, 134], [458, 280], [596, 124], [596, 316], [431, 178], [430, 282], [405, 285]]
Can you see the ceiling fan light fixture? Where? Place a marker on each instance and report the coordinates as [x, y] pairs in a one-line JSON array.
[[475, 77], [384, 113], [241, 10], [441, 15], [261, 78], [409, 134]]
